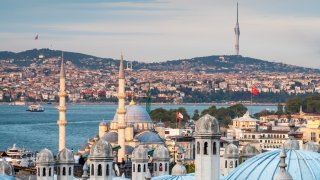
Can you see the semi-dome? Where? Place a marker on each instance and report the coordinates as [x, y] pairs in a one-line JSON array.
[[311, 146], [65, 156], [231, 151], [6, 168], [148, 137], [111, 137], [207, 125], [161, 153], [140, 153], [301, 165], [45, 156], [101, 149], [135, 114], [249, 150]]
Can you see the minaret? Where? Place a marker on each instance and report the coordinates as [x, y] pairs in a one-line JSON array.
[[121, 112], [237, 32], [62, 122]]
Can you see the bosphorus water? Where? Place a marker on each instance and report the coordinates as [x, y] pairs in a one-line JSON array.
[[39, 130]]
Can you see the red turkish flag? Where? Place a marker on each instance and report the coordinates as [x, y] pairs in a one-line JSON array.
[[254, 91]]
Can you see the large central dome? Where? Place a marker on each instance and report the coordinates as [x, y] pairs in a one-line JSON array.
[[134, 114]]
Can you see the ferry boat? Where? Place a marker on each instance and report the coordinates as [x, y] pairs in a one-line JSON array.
[[20, 157], [35, 108]]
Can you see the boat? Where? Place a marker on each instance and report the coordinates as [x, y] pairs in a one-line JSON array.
[[20, 157], [35, 108]]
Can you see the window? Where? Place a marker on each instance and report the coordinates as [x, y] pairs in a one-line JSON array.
[[99, 170], [205, 148], [160, 167], [231, 164], [166, 167], [44, 172], [107, 169], [49, 171], [92, 169], [63, 171], [139, 167], [155, 166], [214, 148], [226, 164], [69, 171], [236, 164], [58, 169], [313, 137], [253, 136], [198, 148], [144, 168], [38, 171]]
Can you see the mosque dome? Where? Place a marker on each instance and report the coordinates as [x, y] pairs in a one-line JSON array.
[[207, 125], [66, 156], [300, 165], [101, 149], [103, 123], [140, 153], [45, 156], [291, 144], [249, 150], [231, 151], [311, 146], [148, 137], [135, 114], [6, 168], [179, 170], [161, 153], [111, 137]]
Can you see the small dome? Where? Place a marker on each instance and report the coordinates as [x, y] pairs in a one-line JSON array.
[[45, 156], [148, 137], [6, 168], [179, 170], [135, 114], [249, 150], [96, 138], [231, 151], [101, 149], [161, 153], [103, 123], [111, 137], [207, 125], [291, 144], [66, 156], [140, 153], [311, 146]]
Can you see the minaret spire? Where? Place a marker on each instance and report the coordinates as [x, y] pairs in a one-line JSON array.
[[121, 112], [62, 122], [237, 33]]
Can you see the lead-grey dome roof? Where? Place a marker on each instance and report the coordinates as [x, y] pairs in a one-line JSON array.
[[179, 170], [135, 114], [231, 151], [140, 153], [311, 146], [111, 137], [45, 156], [101, 149], [65, 156], [249, 150], [161, 153], [148, 137], [207, 125], [6, 168]]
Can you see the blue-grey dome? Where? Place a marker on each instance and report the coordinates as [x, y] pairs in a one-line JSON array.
[[300, 164], [111, 137], [135, 114], [148, 137], [172, 177]]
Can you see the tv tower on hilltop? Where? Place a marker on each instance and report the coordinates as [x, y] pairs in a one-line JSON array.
[[237, 32]]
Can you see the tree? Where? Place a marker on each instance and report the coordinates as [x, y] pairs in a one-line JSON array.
[[196, 115], [280, 110], [293, 105]]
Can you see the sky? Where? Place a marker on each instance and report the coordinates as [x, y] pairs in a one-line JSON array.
[[285, 31]]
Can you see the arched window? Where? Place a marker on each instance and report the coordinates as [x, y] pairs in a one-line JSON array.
[[92, 169], [63, 171], [160, 167], [198, 147], [58, 170], [205, 148], [226, 164], [166, 167], [107, 169], [139, 167], [155, 166], [44, 172], [144, 168], [231, 164], [214, 148], [49, 171], [99, 170], [38, 171], [69, 171], [236, 164]]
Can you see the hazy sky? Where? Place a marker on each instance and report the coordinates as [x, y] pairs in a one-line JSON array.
[[156, 30]]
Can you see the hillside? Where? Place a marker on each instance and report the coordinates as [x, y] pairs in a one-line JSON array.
[[227, 63]]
